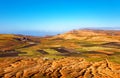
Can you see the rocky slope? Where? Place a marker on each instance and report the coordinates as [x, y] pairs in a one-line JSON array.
[[70, 67]]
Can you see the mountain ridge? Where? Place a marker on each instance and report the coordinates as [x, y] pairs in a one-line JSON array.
[[85, 33]]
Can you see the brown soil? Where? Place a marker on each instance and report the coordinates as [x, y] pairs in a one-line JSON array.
[[11, 53], [70, 67], [64, 50], [99, 52], [112, 45]]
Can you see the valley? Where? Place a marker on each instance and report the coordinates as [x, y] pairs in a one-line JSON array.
[[98, 48]]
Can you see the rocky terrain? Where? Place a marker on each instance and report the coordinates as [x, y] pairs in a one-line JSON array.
[[75, 54], [70, 67]]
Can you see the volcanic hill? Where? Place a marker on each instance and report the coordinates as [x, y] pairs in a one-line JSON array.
[[82, 53]]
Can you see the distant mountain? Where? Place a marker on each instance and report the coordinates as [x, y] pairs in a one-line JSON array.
[[91, 35]]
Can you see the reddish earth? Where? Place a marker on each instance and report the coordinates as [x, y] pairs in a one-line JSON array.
[[70, 67]]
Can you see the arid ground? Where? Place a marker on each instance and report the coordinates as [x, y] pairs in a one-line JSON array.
[[75, 54]]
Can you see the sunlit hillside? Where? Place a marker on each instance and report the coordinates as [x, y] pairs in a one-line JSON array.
[[78, 43], [75, 54]]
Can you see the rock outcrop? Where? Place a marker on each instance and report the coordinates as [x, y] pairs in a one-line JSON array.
[[70, 67]]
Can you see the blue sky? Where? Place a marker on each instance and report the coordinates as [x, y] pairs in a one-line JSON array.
[[18, 16]]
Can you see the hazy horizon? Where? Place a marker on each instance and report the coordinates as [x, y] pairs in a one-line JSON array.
[[51, 33]]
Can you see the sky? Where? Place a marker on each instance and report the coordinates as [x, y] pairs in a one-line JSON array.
[[57, 16]]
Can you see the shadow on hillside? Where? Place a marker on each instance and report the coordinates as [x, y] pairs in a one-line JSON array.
[[112, 45], [11, 53]]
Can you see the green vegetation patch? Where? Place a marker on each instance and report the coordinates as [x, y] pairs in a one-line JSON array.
[[51, 51]]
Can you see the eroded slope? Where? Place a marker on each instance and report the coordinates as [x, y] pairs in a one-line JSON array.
[[71, 67]]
